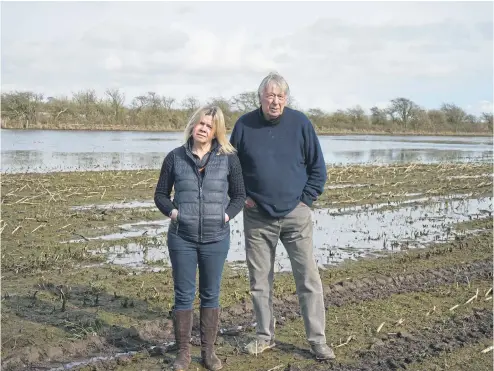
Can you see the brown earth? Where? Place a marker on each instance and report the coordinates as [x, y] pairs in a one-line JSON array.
[[153, 337]]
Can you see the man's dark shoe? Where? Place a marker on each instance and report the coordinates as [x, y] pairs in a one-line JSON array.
[[322, 352]]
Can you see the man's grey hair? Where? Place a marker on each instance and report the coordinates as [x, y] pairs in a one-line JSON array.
[[277, 79]]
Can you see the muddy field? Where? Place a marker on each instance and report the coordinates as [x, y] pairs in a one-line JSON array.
[[405, 254]]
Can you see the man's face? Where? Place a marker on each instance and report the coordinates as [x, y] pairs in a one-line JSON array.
[[273, 101], [203, 132]]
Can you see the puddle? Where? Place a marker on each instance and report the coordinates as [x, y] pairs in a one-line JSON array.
[[339, 233], [119, 205], [89, 361], [383, 205], [137, 254], [138, 229], [342, 186]]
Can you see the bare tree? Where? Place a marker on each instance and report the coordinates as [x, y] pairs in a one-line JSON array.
[[245, 102], [357, 115], [116, 100], [85, 97], [340, 118], [487, 119], [87, 102], [22, 106], [378, 116], [437, 118], [316, 112], [421, 119], [139, 103], [59, 107], [190, 104], [455, 115], [223, 103], [402, 110], [318, 117], [167, 102], [153, 101]]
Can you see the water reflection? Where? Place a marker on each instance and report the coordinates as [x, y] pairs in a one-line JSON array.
[[388, 156], [47, 151], [339, 233], [420, 138], [37, 161]]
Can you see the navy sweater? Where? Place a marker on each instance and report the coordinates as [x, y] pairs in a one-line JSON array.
[[282, 162]]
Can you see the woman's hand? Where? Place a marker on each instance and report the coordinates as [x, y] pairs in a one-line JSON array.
[[227, 218], [174, 215]]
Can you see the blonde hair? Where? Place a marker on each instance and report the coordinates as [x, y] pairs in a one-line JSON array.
[[219, 127]]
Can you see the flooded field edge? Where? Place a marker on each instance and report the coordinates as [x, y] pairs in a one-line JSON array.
[[52, 151], [138, 129]]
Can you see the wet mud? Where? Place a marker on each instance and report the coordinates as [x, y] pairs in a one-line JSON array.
[[154, 337], [369, 288], [398, 350]]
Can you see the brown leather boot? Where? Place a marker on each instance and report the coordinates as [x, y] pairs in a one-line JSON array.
[[182, 323], [210, 318]]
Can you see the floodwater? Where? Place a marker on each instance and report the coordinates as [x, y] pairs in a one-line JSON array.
[[51, 151], [339, 233]]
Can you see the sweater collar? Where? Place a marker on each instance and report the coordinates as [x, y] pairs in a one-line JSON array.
[[275, 121]]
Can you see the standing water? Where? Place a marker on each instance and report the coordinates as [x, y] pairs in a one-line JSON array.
[[51, 151]]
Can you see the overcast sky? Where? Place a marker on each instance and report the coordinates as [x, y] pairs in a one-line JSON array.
[[333, 54]]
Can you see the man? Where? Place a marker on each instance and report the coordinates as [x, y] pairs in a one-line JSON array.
[[284, 172]]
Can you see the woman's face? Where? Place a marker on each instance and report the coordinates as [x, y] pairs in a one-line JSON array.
[[203, 132]]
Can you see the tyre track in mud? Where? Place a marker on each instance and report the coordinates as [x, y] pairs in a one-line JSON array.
[[389, 352], [395, 352], [369, 288], [238, 318]]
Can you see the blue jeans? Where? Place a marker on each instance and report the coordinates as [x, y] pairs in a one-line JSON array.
[[185, 256]]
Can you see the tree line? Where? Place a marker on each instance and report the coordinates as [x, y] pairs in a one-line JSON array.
[[152, 111]]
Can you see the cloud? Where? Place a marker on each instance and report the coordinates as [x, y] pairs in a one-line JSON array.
[[122, 36], [357, 61], [113, 63], [334, 55], [485, 106], [408, 51]]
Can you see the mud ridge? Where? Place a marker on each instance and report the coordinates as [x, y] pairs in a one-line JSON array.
[[239, 318], [394, 352], [358, 290], [386, 352]]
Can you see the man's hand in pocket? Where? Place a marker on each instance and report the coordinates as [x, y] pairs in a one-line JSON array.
[[249, 202]]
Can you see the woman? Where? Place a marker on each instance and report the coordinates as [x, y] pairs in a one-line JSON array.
[[209, 192]]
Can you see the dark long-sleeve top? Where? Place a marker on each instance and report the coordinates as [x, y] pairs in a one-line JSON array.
[[236, 189], [282, 160]]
